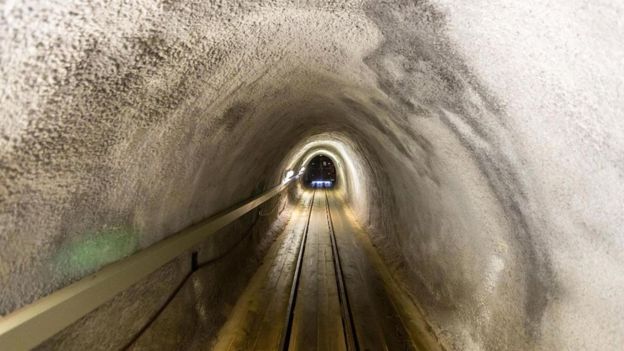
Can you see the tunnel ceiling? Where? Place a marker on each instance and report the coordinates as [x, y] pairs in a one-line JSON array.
[[481, 141]]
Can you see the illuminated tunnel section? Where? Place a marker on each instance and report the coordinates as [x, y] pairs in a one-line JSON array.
[[478, 143], [320, 172]]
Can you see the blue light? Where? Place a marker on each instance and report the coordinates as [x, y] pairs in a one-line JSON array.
[[322, 184]]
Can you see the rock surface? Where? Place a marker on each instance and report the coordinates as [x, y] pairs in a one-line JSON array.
[[481, 142]]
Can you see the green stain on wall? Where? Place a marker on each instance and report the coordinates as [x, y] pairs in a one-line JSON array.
[[96, 249]]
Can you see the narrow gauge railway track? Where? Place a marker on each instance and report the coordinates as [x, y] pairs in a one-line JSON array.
[[346, 314], [350, 337]]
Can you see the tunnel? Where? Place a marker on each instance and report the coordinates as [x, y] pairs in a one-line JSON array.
[[476, 183], [320, 171]]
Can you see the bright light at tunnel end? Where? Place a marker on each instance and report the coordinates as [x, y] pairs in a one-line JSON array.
[[321, 184]]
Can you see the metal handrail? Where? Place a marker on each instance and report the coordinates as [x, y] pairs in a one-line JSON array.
[[30, 325]]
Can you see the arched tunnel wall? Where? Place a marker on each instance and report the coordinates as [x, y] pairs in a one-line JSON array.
[[481, 142]]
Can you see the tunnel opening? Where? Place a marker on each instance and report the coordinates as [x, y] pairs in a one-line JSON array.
[[320, 172]]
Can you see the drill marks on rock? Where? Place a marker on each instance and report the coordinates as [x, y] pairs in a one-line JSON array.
[[234, 116], [417, 66], [91, 91], [361, 111], [423, 149]]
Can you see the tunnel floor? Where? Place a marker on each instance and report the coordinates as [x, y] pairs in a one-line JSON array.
[[322, 286]]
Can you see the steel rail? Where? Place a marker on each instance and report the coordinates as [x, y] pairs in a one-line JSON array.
[[348, 325], [292, 300], [30, 325]]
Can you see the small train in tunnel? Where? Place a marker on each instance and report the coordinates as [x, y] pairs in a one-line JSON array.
[[320, 173]]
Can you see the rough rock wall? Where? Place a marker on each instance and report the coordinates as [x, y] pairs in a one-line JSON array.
[[488, 133], [175, 308]]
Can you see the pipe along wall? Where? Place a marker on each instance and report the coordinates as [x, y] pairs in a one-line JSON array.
[[479, 142]]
